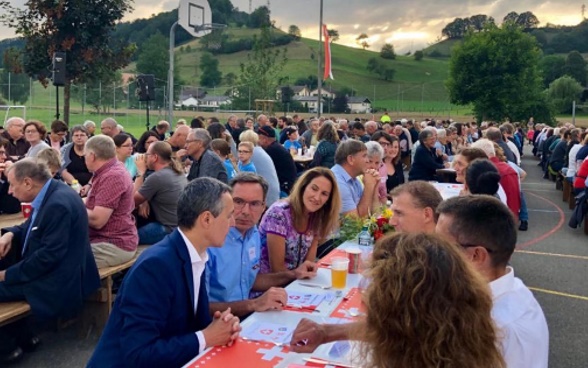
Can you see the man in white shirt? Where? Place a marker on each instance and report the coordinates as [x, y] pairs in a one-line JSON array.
[[485, 229], [161, 315]]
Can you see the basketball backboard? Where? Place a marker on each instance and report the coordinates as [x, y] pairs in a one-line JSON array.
[[193, 15]]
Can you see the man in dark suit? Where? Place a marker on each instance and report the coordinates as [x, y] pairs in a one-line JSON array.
[[47, 260], [161, 316]]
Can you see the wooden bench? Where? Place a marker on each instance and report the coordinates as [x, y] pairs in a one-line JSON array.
[[96, 309]]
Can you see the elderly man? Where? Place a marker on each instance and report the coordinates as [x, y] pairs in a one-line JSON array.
[[371, 127], [283, 161], [110, 204], [47, 260], [109, 127], [229, 282], [426, 158], [90, 127], [310, 137], [161, 315], [13, 132], [343, 128], [485, 230], [205, 163], [161, 189], [233, 128], [262, 121], [160, 129], [264, 166], [414, 205], [509, 179], [351, 162], [494, 135], [178, 140], [404, 143]]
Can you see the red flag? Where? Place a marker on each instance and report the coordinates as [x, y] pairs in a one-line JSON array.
[[328, 71]]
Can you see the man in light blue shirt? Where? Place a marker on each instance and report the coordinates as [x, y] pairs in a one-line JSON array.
[[232, 271], [351, 160]]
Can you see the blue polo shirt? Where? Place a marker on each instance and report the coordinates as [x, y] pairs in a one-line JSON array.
[[350, 189], [231, 270]]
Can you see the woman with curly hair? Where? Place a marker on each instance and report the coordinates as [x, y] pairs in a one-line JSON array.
[[427, 307]]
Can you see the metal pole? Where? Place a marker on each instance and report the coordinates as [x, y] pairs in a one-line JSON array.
[[9, 89], [320, 62], [574, 113], [170, 75], [114, 98], [56, 103]]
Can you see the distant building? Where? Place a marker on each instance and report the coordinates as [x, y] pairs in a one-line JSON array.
[[214, 101], [296, 91], [359, 104], [326, 92]]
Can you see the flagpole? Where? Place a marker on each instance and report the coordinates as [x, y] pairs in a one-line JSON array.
[[320, 62]]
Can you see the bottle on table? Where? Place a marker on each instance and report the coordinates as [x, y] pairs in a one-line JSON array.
[[364, 238]]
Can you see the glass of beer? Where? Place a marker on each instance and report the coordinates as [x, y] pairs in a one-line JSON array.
[[339, 267]]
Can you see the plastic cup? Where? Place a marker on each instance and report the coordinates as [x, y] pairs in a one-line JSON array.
[[26, 209], [354, 256], [339, 266]]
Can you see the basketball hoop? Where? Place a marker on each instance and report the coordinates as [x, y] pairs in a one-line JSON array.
[[214, 34]]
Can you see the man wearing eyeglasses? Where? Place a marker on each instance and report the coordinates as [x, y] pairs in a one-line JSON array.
[[486, 230], [205, 163], [232, 272]]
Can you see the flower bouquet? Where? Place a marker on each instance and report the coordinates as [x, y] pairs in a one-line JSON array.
[[379, 225]]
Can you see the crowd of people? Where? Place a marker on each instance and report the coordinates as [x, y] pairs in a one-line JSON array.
[[234, 219]]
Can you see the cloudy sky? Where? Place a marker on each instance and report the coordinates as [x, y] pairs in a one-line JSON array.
[[407, 24]]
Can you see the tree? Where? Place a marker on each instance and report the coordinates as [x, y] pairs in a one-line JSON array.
[[81, 29], [478, 22], [230, 79], [210, 76], [260, 75], [562, 92], [14, 83], [259, 18], [294, 31], [527, 20], [387, 52], [333, 34], [575, 67], [375, 66], [455, 29], [511, 17], [340, 104], [154, 57], [553, 67], [497, 71], [418, 55], [311, 82], [362, 40]]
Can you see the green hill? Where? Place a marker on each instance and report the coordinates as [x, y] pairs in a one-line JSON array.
[[415, 82]]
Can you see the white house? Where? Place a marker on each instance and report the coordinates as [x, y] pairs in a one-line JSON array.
[[326, 92], [190, 102], [296, 91], [308, 101], [214, 101], [359, 104]]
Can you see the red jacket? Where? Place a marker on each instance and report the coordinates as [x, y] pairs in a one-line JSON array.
[[581, 174], [509, 180]]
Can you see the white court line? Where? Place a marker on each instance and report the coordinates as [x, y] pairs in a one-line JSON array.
[[545, 211]]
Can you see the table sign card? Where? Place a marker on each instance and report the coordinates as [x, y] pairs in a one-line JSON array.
[[269, 332]]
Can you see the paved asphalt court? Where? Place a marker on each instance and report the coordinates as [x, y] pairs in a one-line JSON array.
[[552, 259]]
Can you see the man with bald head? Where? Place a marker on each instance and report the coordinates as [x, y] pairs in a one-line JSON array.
[[109, 127], [178, 140], [371, 127], [17, 146]]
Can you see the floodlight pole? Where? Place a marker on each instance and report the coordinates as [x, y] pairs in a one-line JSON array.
[[170, 74], [320, 62]]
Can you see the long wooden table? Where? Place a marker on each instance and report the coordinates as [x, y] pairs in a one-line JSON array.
[[274, 355], [11, 220]]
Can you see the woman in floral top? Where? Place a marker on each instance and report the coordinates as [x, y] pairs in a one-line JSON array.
[[291, 229]]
